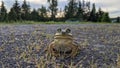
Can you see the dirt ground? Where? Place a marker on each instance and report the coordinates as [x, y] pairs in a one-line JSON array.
[[22, 46]]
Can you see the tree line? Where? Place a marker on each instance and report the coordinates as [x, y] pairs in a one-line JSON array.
[[75, 10]]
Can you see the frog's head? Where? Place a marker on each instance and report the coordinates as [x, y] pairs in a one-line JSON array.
[[63, 33]]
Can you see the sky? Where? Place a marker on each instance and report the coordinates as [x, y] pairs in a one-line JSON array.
[[111, 6]]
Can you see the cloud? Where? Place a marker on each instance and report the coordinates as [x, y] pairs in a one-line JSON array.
[[62, 0], [38, 1], [33, 3], [43, 2], [0, 3], [111, 6]]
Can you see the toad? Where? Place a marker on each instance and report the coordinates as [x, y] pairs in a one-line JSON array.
[[63, 44]]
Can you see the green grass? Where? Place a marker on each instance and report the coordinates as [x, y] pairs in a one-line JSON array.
[[50, 22]]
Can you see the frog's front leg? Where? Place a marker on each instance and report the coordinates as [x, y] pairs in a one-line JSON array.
[[74, 50]]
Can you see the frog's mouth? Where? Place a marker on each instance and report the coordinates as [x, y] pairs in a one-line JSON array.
[[62, 52]]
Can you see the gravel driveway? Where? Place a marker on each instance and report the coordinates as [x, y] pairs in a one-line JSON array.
[[22, 46]]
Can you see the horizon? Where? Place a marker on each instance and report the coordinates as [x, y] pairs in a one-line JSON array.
[[112, 6]]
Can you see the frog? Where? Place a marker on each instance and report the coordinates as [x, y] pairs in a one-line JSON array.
[[63, 44]]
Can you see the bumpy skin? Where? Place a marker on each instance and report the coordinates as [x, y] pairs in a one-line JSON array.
[[63, 45]]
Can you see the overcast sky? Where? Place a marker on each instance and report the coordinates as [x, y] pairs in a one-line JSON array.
[[111, 6]]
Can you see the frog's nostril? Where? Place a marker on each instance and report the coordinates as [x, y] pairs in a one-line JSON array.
[[68, 52], [63, 33], [54, 50]]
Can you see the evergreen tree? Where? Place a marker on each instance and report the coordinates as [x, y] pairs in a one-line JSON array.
[[88, 6], [66, 12], [93, 14], [53, 8], [118, 19], [25, 10], [3, 12], [43, 13], [105, 17], [99, 15], [15, 11], [71, 9], [83, 4], [80, 12], [86, 11], [34, 15], [77, 9], [12, 16]]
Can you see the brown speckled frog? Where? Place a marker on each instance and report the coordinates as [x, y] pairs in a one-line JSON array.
[[63, 44]]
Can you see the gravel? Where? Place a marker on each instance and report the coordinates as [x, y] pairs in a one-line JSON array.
[[23, 46]]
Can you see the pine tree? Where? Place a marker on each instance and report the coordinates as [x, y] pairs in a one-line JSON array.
[[83, 4], [80, 12], [12, 16], [99, 15], [15, 12], [53, 8], [66, 12], [3, 12], [43, 13], [93, 14], [105, 17], [86, 11], [71, 9], [118, 19], [34, 15], [25, 10]]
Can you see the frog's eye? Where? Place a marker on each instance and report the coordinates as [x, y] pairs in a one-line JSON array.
[[59, 30], [68, 30]]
